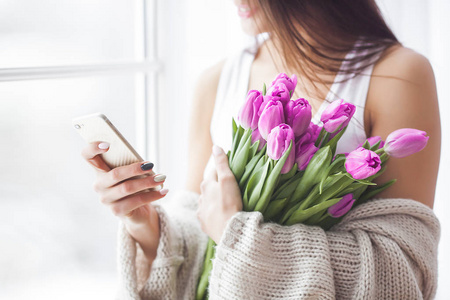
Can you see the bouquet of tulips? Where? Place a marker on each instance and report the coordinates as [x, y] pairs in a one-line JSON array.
[[287, 167]]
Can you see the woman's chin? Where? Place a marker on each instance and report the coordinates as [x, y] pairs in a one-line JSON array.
[[249, 27]]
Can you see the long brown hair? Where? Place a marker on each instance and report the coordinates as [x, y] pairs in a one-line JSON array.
[[329, 30]]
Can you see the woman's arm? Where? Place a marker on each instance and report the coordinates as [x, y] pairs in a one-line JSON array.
[[383, 249], [200, 142], [402, 94]]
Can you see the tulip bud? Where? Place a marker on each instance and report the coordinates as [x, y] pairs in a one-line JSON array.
[[256, 136], [342, 207], [304, 153], [278, 143], [305, 150], [271, 116], [362, 163], [290, 83], [314, 130], [337, 115], [249, 114], [281, 92], [404, 142], [297, 114]]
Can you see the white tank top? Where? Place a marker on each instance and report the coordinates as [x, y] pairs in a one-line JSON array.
[[233, 87]]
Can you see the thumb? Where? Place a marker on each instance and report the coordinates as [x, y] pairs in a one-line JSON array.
[[221, 160]]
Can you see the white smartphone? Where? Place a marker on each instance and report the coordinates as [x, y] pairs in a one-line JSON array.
[[97, 127]]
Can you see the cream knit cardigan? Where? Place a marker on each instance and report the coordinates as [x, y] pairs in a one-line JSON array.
[[383, 249]]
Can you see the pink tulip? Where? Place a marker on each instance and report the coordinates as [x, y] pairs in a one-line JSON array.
[[249, 114], [372, 141], [404, 142], [314, 130], [342, 207], [290, 83], [337, 115], [271, 116], [297, 114], [278, 143], [256, 136], [362, 163], [281, 92], [305, 150]]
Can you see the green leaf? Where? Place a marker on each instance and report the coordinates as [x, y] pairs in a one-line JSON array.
[[376, 146], [274, 208], [372, 192], [336, 165], [264, 90], [363, 181], [250, 167], [333, 142], [236, 140], [289, 175], [240, 160], [355, 188], [300, 215], [314, 173], [286, 189], [272, 181], [234, 126], [320, 137], [259, 178], [203, 281], [366, 145], [334, 187]]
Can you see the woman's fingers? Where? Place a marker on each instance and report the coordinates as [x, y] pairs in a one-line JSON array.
[[130, 187], [120, 174], [92, 152], [127, 205]]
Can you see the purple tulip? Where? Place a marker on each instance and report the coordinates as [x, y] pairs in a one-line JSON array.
[[281, 92], [272, 115], [404, 142], [249, 114], [256, 136], [372, 141], [314, 130], [362, 163], [297, 114], [342, 207], [337, 115], [305, 150], [290, 83], [278, 143]]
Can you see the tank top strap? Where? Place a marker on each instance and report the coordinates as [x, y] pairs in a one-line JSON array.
[[352, 89]]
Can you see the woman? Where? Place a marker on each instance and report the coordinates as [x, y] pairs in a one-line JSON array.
[[384, 249]]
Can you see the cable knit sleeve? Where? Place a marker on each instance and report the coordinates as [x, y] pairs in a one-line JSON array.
[[174, 272], [383, 249]]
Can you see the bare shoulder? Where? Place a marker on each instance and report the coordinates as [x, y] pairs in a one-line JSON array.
[[207, 83], [402, 94], [402, 84], [200, 141], [404, 63]]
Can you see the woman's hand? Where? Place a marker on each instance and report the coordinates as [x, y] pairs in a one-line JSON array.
[[220, 197], [125, 191]]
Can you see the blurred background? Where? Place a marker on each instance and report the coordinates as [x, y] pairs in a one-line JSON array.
[[136, 61]]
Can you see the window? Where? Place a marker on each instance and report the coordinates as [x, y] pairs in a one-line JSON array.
[[60, 60]]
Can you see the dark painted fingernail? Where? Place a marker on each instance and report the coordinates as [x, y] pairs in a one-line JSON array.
[[147, 166]]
